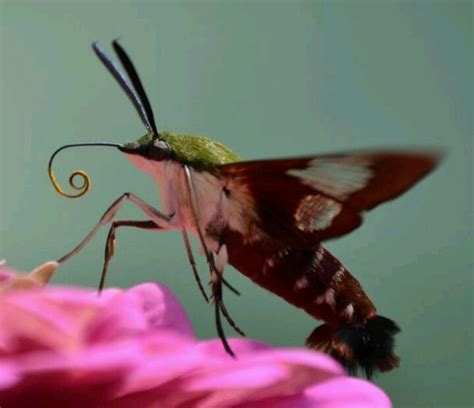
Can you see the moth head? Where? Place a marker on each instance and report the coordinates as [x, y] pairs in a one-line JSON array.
[[146, 151]]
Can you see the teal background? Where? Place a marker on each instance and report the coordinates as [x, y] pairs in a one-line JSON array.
[[268, 79]]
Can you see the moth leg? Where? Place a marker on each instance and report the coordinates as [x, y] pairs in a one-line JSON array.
[[192, 197], [219, 307], [110, 243], [160, 220], [230, 287], [216, 273], [192, 262], [217, 296], [218, 301], [216, 283]]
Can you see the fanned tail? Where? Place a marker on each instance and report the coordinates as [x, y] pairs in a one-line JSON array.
[[367, 346]]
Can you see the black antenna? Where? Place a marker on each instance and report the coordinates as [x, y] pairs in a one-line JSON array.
[[137, 83], [124, 84]]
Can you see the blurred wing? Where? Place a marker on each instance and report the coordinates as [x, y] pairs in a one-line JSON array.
[[322, 197]]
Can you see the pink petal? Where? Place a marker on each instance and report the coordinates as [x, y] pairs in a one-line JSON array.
[[347, 392], [162, 309], [34, 319], [5, 274], [8, 376], [143, 309], [91, 376], [70, 347], [261, 375], [64, 318]]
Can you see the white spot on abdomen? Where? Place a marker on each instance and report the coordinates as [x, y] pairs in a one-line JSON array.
[[320, 253], [327, 297], [348, 311], [301, 283]]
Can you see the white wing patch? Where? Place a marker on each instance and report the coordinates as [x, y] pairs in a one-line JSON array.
[[316, 212], [336, 177]]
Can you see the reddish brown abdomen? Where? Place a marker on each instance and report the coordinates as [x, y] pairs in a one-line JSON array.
[[309, 278]]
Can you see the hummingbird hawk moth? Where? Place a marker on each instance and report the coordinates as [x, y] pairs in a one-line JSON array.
[[266, 218]]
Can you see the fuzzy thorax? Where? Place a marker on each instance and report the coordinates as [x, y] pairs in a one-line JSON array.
[[199, 152]]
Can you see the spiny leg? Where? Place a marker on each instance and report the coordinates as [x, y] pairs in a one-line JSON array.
[[217, 292], [219, 307], [230, 287], [192, 262], [110, 243], [159, 219], [209, 258], [216, 274], [217, 278]]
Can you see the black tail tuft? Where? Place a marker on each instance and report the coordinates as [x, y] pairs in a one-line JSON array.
[[368, 346]]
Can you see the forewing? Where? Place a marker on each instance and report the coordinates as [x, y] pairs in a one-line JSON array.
[[321, 197]]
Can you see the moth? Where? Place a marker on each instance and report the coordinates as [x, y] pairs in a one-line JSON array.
[[266, 218]]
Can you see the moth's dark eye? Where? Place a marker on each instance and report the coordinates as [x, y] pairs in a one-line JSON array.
[[159, 150]]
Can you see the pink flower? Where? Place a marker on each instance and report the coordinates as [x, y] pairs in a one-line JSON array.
[[69, 347]]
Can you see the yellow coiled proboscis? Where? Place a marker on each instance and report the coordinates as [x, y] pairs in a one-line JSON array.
[[79, 180], [81, 188]]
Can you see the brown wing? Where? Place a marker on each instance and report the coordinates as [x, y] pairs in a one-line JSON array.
[[322, 197]]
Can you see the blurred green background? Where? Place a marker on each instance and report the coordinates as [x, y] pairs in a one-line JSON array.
[[268, 79]]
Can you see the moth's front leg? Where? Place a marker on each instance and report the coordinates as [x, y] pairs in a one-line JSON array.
[[159, 219], [110, 243]]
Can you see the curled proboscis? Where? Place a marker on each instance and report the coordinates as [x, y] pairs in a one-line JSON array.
[[79, 180], [82, 187]]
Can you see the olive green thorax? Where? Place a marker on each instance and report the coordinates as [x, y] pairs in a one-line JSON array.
[[197, 151]]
